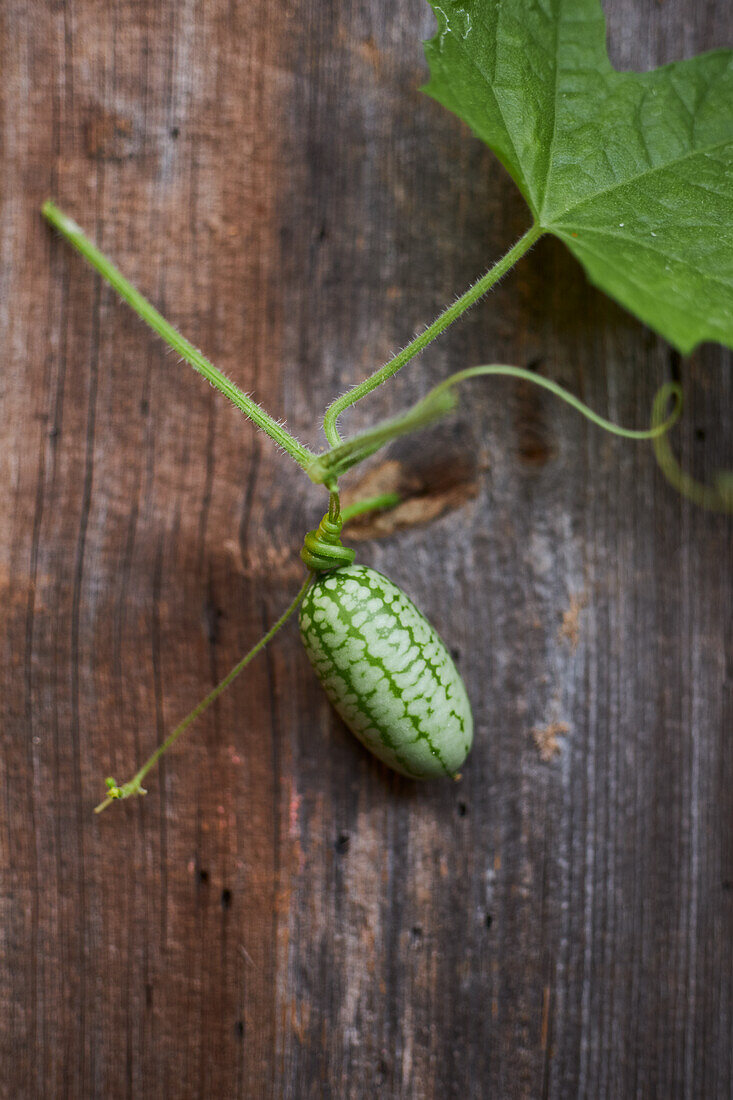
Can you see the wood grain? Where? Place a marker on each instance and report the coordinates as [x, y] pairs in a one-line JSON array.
[[281, 917]]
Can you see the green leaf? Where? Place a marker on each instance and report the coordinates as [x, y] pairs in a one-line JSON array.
[[633, 171]]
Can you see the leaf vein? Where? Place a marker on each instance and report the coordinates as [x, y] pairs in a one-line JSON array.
[[639, 176]]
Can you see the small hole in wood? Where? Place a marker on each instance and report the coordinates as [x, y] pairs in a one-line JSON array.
[[342, 844]]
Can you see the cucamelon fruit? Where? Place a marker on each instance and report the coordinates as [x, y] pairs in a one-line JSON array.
[[387, 672]]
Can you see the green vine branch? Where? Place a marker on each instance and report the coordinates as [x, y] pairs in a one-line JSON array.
[[381, 503], [76, 236], [439, 325], [134, 786], [660, 425]]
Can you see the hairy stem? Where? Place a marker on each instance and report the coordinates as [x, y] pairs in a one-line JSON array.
[[439, 325], [75, 235], [134, 786]]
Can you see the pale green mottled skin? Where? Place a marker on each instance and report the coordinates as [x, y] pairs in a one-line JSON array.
[[387, 672]]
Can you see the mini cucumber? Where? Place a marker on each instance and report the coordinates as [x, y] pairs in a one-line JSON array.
[[387, 672]]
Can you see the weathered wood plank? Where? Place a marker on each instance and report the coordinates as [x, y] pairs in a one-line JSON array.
[[281, 916]]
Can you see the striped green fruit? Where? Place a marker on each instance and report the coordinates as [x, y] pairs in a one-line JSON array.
[[387, 672]]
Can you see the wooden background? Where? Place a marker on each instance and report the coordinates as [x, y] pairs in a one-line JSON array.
[[282, 917]]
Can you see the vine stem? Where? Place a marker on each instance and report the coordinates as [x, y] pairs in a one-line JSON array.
[[660, 426], [439, 325], [76, 236], [134, 785], [381, 503]]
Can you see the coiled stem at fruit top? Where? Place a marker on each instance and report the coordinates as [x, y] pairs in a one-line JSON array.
[[323, 549]]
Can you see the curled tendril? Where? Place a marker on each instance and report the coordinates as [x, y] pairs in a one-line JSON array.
[[715, 498], [323, 549], [440, 400]]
